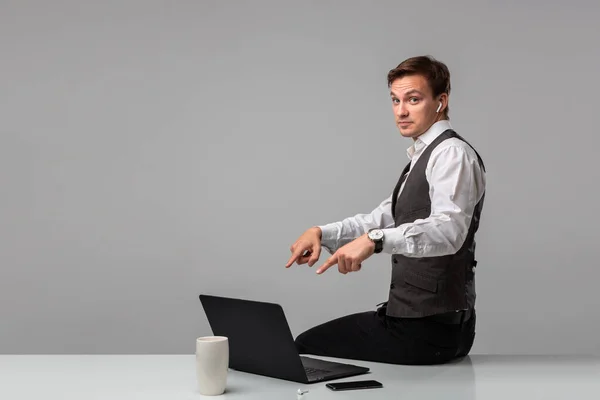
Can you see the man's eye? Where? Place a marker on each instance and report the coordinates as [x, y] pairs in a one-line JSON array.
[[413, 99], [395, 101]]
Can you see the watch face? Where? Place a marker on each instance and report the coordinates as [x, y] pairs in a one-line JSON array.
[[377, 234]]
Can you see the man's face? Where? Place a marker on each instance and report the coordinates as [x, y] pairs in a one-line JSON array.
[[414, 106]]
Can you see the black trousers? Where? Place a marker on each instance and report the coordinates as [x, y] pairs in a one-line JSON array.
[[373, 336]]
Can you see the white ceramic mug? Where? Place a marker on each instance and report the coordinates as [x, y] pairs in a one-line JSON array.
[[212, 362]]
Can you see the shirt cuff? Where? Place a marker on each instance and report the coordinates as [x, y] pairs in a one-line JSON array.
[[393, 242], [329, 235]]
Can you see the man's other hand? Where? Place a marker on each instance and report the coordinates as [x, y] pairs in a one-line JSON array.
[[350, 257], [307, 248]]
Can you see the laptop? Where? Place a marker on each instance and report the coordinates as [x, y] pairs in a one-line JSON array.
[[260, 342]]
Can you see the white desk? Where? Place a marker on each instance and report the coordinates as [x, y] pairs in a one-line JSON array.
[[172, 377]]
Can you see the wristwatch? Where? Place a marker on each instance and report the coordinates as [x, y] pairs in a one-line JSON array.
[[376, 236]]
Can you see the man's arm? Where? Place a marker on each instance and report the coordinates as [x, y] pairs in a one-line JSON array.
[[337, 234], [457, 183], [332, 236]]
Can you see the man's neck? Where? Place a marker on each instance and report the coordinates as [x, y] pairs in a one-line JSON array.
[[415, 138]]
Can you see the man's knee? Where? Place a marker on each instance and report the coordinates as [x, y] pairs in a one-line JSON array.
[[302, 342]]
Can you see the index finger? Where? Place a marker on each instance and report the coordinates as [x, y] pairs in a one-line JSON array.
[[297, 253], [330, 261]]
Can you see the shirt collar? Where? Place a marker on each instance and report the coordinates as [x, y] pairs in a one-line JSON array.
[[427, 137]]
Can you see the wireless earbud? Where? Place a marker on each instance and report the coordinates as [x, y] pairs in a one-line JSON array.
[[439, 108]]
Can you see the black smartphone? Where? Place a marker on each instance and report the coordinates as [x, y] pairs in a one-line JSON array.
[[353, 385]]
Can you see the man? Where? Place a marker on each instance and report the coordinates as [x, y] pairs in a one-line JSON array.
[[427, 225]]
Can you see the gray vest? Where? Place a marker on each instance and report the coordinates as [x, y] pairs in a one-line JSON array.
[[430, 285]]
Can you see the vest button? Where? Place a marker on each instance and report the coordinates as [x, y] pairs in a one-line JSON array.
[[395, 261], [392, 286]]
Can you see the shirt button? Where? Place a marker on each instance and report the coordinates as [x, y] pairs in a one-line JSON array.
[[394, 249]]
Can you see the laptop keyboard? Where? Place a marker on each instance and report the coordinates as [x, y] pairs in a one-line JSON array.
[[314, 371]]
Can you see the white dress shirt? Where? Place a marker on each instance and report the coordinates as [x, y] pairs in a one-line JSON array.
[[456, 184]]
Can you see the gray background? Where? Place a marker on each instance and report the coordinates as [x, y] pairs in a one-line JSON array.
[[154, 150]]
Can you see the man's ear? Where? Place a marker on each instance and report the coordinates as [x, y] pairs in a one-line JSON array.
[[443, 98]]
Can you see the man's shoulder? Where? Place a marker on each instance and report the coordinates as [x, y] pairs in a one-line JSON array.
[[453, 143]]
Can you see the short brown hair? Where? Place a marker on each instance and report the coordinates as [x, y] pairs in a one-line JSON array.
[[436, 73]]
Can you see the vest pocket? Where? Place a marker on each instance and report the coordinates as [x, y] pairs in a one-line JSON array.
[[421, 281]]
